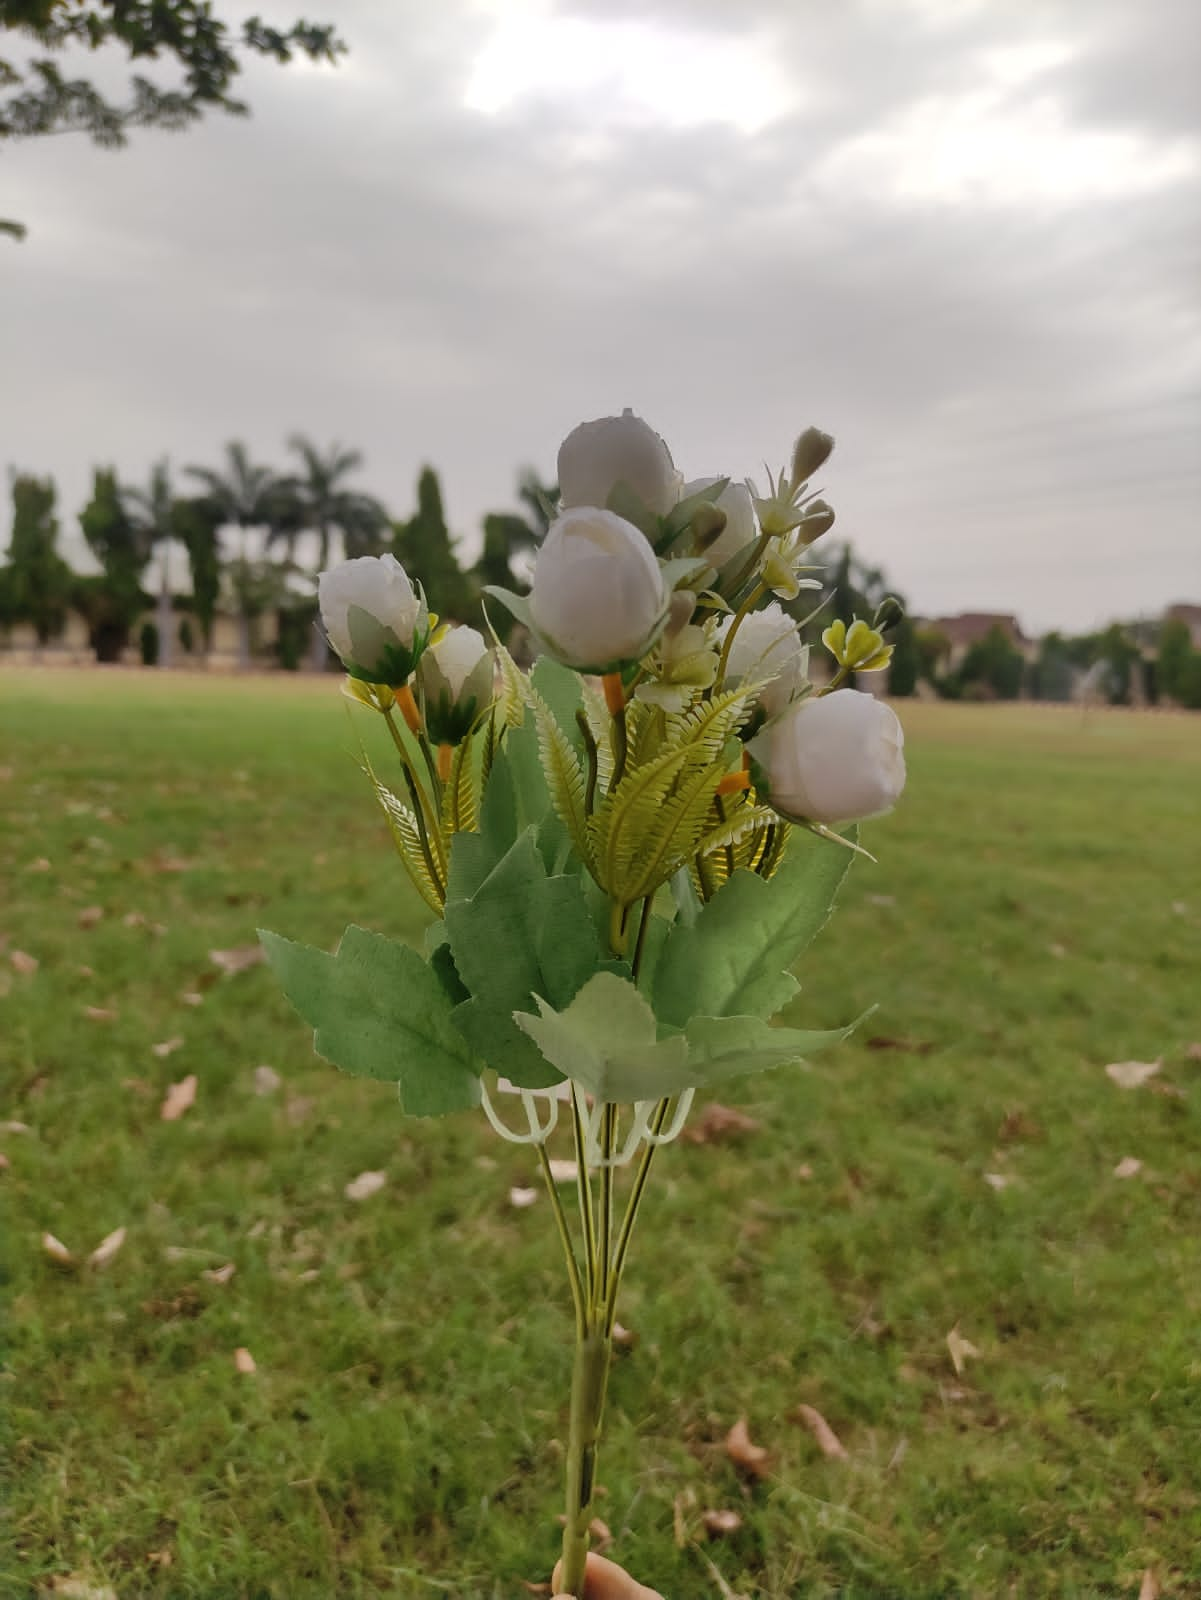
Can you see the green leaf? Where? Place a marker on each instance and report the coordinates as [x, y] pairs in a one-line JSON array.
[[732, 1047], [563, 692], [734, 958], [517, 605], [563, 774], [515, 798], [378, 1011], [606, 1041], [520, 934]]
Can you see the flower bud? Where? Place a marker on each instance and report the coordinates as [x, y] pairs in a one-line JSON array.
[[739, 530], [767, 645], [597, 456], [817, 519], [889, 612], [457, 673], [374, 618], [811, 451], [833, 758], [598, 598]]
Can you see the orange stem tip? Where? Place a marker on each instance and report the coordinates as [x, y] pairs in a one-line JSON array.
[[734, 783], [446, 754], [615, 695], [408, 708]]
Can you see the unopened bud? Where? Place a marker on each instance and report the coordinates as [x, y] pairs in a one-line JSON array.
[[707, 525], [889, 612], [818, 519], [810, 452], [679, 613]]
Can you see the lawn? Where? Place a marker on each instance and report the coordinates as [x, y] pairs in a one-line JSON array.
[[1035, 916]]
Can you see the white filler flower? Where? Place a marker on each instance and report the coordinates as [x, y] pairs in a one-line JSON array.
[[597, 456], [767, 645], [598, 597], [374, 618], [835, 758]]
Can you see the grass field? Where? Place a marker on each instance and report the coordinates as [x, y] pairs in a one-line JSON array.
[[1035, 915]]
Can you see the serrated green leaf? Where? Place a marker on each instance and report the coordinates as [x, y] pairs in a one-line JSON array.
[[605, 1040], [406, 836], [378, 1011], [733, 959], [563, 774], [733, 1047]]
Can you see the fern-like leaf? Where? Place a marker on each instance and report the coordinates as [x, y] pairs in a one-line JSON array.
[[460, 793], [564, 775], [514, 689], [406, 836]]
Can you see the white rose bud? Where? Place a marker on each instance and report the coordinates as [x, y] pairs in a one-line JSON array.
[[834, 758], [598, 597], [767, 645], [457, 676], [374, 618], [740, 528], [597, 456]]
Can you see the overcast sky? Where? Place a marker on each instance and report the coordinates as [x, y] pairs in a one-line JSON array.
[[962, 235]]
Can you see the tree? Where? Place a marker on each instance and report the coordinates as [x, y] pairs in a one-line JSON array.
[[196, 522], [318, 499], [992, 668], [152, 511], [112, 602], [1175, 653], [1052, 674], [1120, 653], [38, 581], [241, 495], [424, 547], [905, 668]]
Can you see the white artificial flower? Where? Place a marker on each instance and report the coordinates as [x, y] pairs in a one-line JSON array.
[[597, 456], [833, 758], [767, 645], [598, 597], [374, 618], [457, 676], [740, 529]]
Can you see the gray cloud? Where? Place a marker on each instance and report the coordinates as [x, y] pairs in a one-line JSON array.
[[967, 240]]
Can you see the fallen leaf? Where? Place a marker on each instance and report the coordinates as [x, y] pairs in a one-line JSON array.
[[804, 1172], [1016, 1125], [1193, 1053], [21, 961], [74, 1586], [365, 1185], [166, 1047], [107, 1248], [1148, 1589], [239, 959], [99, 1014], [960, 1348], [720, 1523], [57, 1250], [192, 997], [881, 899], [1130, 1074], [219, 1274], [15, 1127], [86, 972], [5, 1163], [159, 1558], [623, 1338], [90, 916], [889, 1041], [998, 1180], [1180, 907], [6, 774], [1059, 951], [718, 1122], [179, 1098], [298, 1109], [519, 1198], [170, 864], [134, 919], [752, 1458], [40, 865], [266, 1080], [244, 1361], [828, 1442], [1128, 1167], [563, 1171]]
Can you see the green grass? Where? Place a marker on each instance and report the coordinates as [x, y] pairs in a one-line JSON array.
[[1036, 914]]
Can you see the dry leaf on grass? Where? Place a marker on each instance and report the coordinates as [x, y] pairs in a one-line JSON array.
[[15, 1127], [623, 1338], [21, 961], [266, 1080], [40, 865], [910, 1047], [179, 1098], [167, 1047], [753, 1459], [563, 1171], [219, 1274], [1131, 1074], [74, 1586], [57, 1250], [365, 1185], [1128, 1167], [239, 959], [244, 1361], [520, 1198], [718, 1122], [90, 916], [1148, 1589], [828, 1442], [960, 1349], [718, 1524], [107, 1248], [99, 1014], [1193, 1053], [998, 1180], [5, 1163], [192, 997]]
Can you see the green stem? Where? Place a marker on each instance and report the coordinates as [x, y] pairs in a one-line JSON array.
[[617, 723], [658, 1118], [837, 681], [748, 605], [584, 1188], [573, 1268], [589, 1378], [640, 941], [608, 1138], [756, 557], [418, 797], [593, 761]]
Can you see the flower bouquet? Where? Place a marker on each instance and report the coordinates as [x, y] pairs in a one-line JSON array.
[[616, 847]]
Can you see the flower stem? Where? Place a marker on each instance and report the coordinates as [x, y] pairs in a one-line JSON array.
[[573, 1267], [589, 1378], [747, 606], [627, 1224]]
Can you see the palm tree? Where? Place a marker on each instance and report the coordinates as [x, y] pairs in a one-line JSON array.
[[152, 512], [245, 496], [322, 503]]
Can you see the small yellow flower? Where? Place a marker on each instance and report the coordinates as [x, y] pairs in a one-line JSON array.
[[784, 560], [857, 648]]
